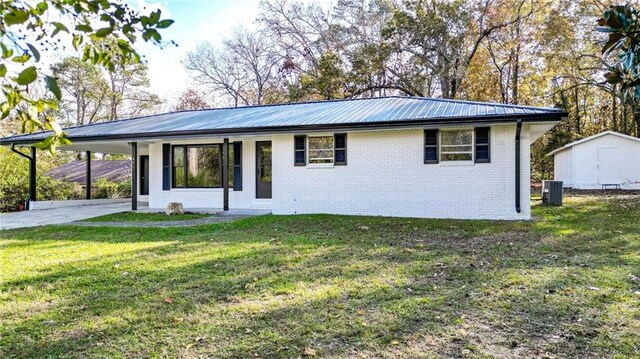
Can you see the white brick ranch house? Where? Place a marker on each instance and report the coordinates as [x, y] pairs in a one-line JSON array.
[[390, 156]]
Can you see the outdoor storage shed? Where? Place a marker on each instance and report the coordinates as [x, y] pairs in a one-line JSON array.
[[606, 160]]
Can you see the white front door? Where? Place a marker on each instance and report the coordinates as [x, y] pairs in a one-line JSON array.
[[608, 165]]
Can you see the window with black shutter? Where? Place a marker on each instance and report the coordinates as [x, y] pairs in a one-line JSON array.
[[430, 146], [300, 150], [483, 154], [340, 150]]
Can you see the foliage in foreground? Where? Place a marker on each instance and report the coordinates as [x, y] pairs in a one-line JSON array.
[[564, 285]]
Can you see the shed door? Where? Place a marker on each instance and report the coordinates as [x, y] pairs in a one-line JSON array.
[[608, 165]]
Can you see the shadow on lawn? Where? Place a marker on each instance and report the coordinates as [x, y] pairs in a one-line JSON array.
[[273, 286]]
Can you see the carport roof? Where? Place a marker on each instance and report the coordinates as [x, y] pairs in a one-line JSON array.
[[381, 112]]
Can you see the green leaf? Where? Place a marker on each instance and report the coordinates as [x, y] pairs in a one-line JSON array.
[[21, 59], [58, 27], [84, 28], [105, 31], [6, 52], [27, 76], [16, 17], [34, 52], [42, 7], [77, 41], [52, 85], [165, 24], [3, 70], [155, 16]]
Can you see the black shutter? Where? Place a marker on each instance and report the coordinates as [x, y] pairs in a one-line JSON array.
[[300, 150], [430, 146], [166, 166], [237, 166], [483, 154], [340, 149]]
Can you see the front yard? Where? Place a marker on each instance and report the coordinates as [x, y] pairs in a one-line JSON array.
[[564, 285]]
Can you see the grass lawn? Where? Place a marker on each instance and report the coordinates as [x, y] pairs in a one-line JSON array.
[[564, 285], [146, 217]]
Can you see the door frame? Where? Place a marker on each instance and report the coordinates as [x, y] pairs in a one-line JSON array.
[[258, 167], [144, 174]]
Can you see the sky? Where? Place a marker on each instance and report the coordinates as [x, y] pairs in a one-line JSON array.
[[196, 21]]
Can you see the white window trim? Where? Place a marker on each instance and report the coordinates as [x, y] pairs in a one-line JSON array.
[[461, 162], [320, 165]]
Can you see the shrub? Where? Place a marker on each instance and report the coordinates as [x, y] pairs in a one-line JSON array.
[[14, 182], [108, 189]]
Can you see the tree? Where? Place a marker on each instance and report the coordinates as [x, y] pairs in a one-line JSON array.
[[128, 96], [622, 53], [190, 99], [28, 28], [242, 69], [85, 91]]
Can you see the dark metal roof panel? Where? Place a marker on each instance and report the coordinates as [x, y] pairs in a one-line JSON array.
[[374, 111]]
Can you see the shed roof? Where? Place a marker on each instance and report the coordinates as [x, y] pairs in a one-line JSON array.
[[75, 171], [586, 139], [353, 113]]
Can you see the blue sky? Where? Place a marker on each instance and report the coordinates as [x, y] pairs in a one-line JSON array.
[[196, 21]]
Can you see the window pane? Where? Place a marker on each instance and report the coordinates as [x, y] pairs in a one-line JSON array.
[[203, 166], [456, 149], [455, 156], [456, 137], [299, 142], [341, 141], [341, 156], [178, 177], [299, 157], [318, 143], [178, 156]]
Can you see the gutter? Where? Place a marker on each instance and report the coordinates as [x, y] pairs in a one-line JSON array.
[[518, 130], [421, 123]]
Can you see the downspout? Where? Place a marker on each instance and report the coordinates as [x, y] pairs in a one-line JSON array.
[[518, 130], [32, 171]]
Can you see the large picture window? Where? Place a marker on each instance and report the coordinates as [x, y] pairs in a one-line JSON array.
[[321, 149], [200, 166], [456, 145]]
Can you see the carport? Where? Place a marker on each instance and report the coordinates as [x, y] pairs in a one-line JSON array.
[[29, 152]]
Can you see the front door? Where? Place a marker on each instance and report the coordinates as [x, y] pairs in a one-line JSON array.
[[263, 169], [144, 175], [608, 165]]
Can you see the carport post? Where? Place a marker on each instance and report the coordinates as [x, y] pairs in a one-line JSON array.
[[225, 174], [88, 178], [32, 175], [134, 176]]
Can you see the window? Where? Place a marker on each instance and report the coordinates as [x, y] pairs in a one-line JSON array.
[[200, 166], [482, 145], [321, 149], [456, 145], [431, 146]]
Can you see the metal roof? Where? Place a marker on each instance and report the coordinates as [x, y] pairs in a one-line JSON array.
[[76, 171], [586, 139], [354, 113]]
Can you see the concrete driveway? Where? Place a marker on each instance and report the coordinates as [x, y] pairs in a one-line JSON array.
[[42, 217]]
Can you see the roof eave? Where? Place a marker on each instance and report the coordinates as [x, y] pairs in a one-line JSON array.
[[539, 117]]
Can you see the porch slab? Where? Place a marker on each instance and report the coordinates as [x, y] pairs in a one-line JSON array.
[[60, 215]]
